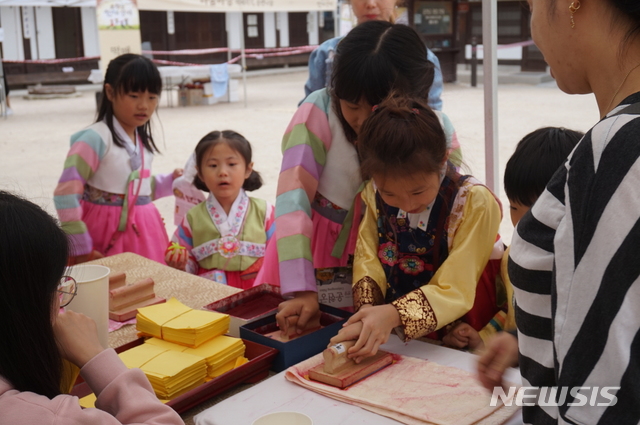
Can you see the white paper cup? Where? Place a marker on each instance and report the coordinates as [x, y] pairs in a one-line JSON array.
[[92, 298], [284, 418]]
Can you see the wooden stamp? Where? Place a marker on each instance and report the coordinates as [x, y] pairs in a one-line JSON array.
[[124, 301], [340, 371], [117, 280]]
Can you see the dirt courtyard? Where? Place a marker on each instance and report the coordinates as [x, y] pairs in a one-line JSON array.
[[35, 139]]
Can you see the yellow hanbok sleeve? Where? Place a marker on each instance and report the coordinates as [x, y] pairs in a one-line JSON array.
[[507, 318], [369, 279], [451, 292]]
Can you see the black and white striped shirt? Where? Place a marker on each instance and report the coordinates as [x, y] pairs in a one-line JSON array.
[[575, 268]]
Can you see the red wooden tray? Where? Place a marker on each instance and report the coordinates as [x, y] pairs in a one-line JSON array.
[[257, 368]]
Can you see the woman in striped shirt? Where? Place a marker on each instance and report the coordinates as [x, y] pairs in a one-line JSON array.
[[575, 263]]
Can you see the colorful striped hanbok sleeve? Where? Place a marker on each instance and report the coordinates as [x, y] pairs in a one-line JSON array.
[[270, 221], [83, 159], [183, 236], [161, 185], [304, 146], [453, 144]]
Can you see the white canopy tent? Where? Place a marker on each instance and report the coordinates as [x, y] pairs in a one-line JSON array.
[[197, 5], [490, 75], [238, 5], [51, 3]]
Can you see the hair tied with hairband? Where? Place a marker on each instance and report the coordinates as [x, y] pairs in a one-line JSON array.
[[415, 111], [375, 108]]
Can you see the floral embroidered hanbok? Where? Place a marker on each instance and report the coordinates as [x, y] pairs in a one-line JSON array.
[[435, 267], [228, 249]]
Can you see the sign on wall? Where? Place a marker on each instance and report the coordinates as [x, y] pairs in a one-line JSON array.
[[118, 29]]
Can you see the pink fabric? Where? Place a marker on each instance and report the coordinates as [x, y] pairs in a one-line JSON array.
[[124, 396], [69, 188], [294, 223], [297, 178], [315, 119], [234, 279], [270, 270], [325, 233], [87, 153], [163, 185], [114, 325], [413, 391], [70, 214], [150, 240]]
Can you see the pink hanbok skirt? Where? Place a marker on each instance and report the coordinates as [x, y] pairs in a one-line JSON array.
[[325, 234], [145, 234]]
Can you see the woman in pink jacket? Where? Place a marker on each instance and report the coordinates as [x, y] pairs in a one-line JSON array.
[[39, 344]]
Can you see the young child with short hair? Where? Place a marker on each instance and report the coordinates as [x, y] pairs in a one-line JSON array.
[[536, 158], [224, 237]]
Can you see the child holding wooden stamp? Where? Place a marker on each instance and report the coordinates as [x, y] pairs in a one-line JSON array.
[[428, 250]]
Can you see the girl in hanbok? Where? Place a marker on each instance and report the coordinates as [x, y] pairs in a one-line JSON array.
[[428, 251], [224, 237], [318, 204], [104, 196]]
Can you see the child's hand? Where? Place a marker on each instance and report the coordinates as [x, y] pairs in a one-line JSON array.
[[178, 172], [463, 335], [176, 256], [179, 263], [501, 352], [77, 337], [349, 332], [304, 305], [376, 324]]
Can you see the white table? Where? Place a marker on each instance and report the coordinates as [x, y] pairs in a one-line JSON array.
[[276, 394], [177, 75]]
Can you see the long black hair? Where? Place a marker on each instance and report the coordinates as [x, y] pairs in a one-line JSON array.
[[130, 73], [238, 143], [33, 256], [375, 58]]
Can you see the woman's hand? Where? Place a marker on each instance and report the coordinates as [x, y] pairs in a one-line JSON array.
[[77, 337], [501, 353], [304, 305], [371, 326]]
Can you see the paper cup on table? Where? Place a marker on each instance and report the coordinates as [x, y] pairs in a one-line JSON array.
[[92, 298], [284, 418]]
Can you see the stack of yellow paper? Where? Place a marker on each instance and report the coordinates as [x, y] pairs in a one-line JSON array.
[[170, 372], [175, 322], [221, 352]]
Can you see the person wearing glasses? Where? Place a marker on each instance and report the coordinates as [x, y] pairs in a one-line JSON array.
[[40, 341]]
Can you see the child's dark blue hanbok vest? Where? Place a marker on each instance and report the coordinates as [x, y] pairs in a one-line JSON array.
[[410, 257]]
